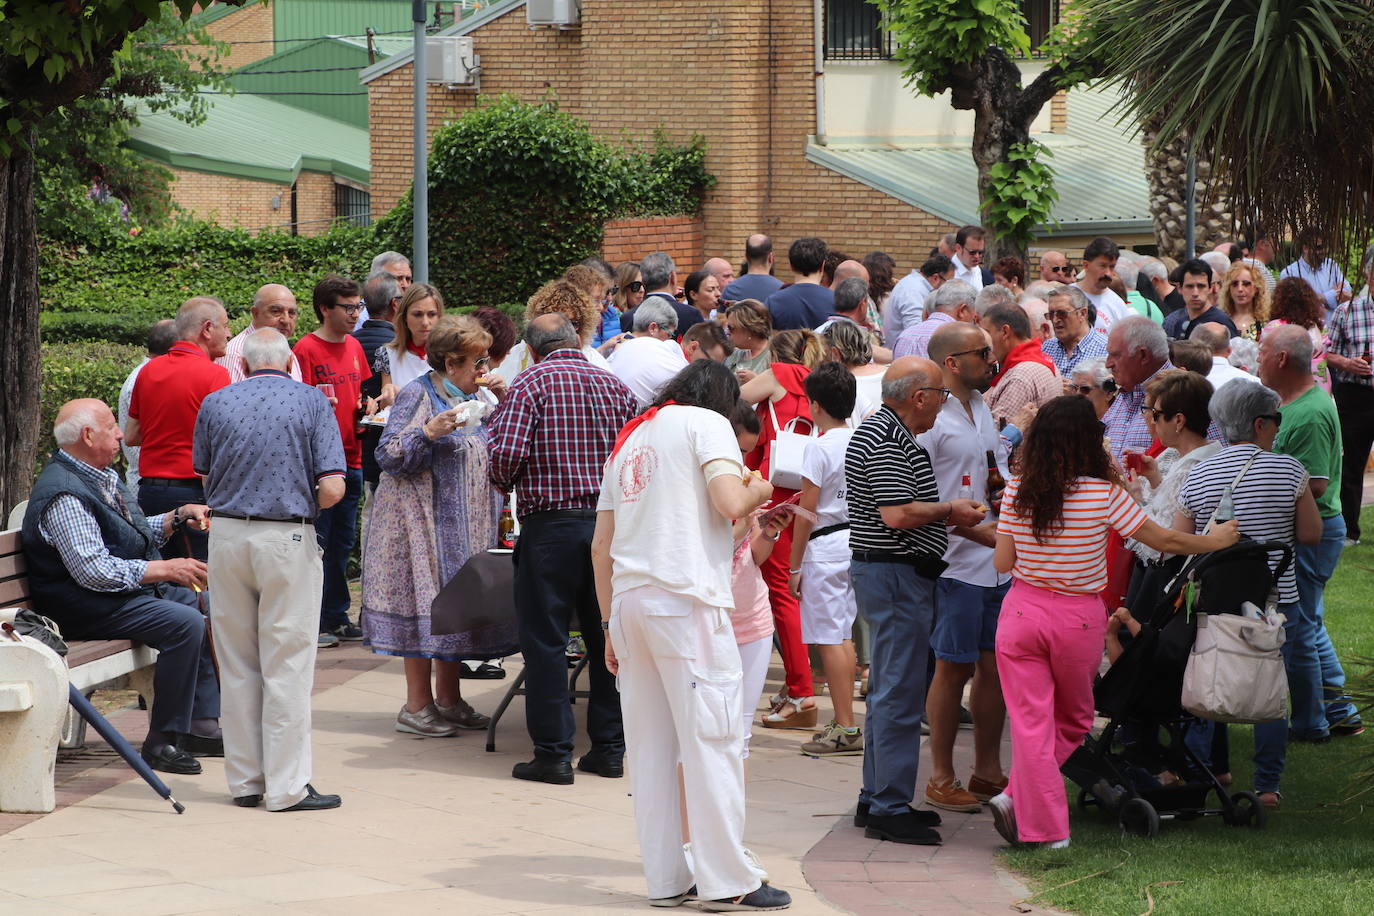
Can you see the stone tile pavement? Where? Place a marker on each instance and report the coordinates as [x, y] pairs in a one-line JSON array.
[[439, 825]]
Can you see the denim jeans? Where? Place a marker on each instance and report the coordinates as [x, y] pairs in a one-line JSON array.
[[336, 530], [1314, 565], [1271, 738], [899, 605]]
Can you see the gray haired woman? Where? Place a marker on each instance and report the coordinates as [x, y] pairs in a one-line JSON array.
[[1093, 380], [1272, 500]]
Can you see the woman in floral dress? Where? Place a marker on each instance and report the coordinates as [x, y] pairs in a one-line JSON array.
[[434, 508]]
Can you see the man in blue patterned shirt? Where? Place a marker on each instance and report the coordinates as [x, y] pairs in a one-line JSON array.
[[1075, 339], [94, 567]]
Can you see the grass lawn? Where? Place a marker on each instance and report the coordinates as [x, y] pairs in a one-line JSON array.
[[1314, 856]]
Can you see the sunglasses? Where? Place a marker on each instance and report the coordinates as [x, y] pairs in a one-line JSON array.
[[1066, 269], [1108, 385], [636, 286], [1275, 418], [984, 353], [1060, 314]]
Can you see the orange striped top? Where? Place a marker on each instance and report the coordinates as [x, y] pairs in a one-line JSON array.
[[1073, 559]]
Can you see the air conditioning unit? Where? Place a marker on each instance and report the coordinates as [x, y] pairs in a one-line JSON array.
[[449, 60], [560, 14]]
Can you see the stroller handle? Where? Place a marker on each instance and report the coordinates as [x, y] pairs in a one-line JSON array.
[[1204, 561]]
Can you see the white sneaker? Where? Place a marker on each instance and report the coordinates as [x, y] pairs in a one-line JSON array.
[[1058, 844], [1004, 817]]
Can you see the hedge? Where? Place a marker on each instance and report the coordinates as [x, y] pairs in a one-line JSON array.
[[81, 370], [518, 192]]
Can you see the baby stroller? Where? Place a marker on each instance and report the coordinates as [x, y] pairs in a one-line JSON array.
[[1141, 697]]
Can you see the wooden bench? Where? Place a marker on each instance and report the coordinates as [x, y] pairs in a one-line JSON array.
[[91, 664]]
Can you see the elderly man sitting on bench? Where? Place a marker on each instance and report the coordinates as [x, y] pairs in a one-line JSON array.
[[94, 567]]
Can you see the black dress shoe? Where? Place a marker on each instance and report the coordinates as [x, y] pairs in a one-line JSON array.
[[171, 759], [554, 772], [601, 765], [247, 801], [483, 672], [201, 746], [901, 828], [314, 801], [923, 817]]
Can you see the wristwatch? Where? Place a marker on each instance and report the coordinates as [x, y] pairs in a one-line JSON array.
[[605, 625]]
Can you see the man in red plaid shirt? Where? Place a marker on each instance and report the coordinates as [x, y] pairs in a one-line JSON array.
[[549, 441]]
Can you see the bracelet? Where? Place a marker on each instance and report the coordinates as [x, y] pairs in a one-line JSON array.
[[606, 625]]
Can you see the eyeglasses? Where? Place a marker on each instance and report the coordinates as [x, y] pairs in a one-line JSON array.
[[483, 363], [1060, 314], [944, 393], [354, 309], [1154, 412], [1275, 418], [1062, 269], [1108, 385], [984, 353]]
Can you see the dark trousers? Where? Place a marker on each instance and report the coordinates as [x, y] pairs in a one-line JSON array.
[[554, 592], [1355, 407], [157, 498], [336, 528], [184, 684]]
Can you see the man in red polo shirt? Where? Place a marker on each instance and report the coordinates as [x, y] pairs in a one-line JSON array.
[[162, 416], [331, 355]]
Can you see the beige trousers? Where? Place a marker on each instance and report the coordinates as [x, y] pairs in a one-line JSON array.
[[266, 578]]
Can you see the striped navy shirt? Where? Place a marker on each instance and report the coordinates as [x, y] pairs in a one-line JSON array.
[[1265, 500], [884, 466]]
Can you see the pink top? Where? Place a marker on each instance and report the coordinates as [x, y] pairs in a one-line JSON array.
[[753, 616]]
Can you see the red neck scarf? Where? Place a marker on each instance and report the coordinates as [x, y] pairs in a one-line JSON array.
[[1028, 352], [635, 423], [415, 348]]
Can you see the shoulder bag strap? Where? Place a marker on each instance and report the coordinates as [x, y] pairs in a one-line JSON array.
[[1232, 487]]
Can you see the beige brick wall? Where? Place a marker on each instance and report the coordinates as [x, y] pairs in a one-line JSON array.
[[232, 201], [253, 25], [633, 67]]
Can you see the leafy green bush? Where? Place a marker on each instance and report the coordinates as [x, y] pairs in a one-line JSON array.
[[517, 192], [82, 370], [134, 281]]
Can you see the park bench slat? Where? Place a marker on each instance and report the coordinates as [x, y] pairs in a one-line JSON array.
[[14, 592], [9, 542], [83, 651], [13, 565]]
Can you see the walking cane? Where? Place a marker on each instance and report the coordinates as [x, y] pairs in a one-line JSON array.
[[200, 602]]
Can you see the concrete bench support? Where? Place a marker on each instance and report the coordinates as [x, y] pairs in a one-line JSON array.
[[33, 704]]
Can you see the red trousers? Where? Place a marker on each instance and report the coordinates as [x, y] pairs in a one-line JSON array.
[[787, 617]]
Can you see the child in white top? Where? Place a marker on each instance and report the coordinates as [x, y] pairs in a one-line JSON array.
[[820, 556]]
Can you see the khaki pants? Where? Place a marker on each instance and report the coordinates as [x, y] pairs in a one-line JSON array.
[[266, 578]]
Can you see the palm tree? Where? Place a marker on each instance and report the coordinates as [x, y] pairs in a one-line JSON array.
[[1273, 93]]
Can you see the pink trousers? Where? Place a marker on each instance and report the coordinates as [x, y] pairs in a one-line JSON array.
[[1049, 647]]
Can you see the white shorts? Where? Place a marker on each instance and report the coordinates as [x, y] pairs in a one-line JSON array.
[[827, 602]]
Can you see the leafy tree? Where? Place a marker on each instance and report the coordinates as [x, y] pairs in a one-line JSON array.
[[968, 48], [89, 183], [1274, 93], [51, 55]]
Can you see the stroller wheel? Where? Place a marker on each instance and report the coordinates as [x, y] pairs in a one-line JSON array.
[[1085, 800], [1247, 811], [1139, 817]]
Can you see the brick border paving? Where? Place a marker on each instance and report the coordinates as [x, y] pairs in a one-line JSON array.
[[83, 772]]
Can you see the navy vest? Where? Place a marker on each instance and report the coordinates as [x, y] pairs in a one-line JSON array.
[[55, 592]]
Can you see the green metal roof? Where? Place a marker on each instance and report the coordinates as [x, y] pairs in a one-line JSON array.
[[319, 76], [256, 138], [298, 19], [217, 11], [1099, 171]]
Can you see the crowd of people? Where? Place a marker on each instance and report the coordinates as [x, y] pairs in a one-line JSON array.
[[909, 485]]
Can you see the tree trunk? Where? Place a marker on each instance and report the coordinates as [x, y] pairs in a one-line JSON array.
[[19, 342], [1167, 172]]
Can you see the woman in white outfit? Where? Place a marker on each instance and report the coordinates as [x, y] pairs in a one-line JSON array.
[[675, 476]]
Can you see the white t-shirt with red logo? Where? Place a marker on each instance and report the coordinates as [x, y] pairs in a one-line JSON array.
[[667, 533]]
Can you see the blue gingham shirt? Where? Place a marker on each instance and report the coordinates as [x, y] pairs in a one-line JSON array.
[[1351, 334], [1092, 346], [68, 526]]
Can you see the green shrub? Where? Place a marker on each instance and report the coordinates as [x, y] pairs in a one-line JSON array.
[[518, 192], [138, 280], [82, 370]]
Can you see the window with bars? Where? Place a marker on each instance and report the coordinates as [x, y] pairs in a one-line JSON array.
[[352, 205], [854, 31]]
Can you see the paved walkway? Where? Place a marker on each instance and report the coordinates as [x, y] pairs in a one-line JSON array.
[[439, 825]]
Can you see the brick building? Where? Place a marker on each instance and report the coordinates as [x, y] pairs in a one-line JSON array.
[[801, 142]]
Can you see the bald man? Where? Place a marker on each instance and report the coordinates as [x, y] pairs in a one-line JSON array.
[[721, 269], [94, 567], [1217, 338], [758, 281], [274, 306], [897, 531], [1054, 268]]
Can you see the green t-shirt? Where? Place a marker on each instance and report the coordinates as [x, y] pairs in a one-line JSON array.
[[1311, 433]]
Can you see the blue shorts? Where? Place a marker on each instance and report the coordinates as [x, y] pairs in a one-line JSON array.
[[965, 620]]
